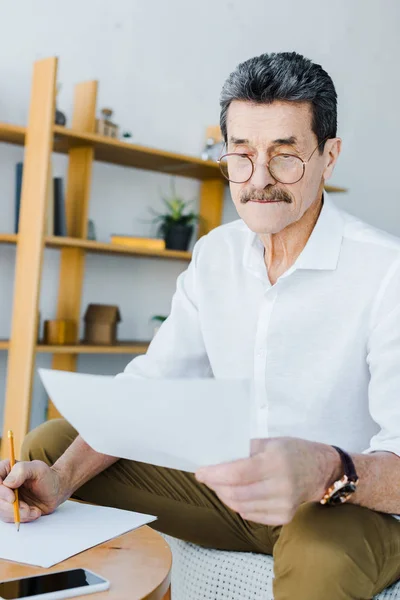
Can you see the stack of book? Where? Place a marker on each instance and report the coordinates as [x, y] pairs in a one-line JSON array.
[[138, 243]]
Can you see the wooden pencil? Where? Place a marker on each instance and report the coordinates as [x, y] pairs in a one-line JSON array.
[[17, 519]]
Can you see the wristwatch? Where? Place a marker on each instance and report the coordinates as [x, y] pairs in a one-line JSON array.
[[343, 488]]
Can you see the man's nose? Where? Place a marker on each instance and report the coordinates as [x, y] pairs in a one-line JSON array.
[[261, 176]]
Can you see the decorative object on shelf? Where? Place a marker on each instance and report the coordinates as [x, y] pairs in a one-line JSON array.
[[212, 149], [214, 143], [60, 118], [91, 230], [157, 321], [60, 217], [175, 225], [127, 136], [104, 125], [101, 322], [60, 331], [138, 243]]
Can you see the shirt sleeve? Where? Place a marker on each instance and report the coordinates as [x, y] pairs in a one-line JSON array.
[[384, 364], [177, 350]]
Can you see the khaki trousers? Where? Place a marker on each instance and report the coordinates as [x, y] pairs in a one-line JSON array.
[[325, 553]]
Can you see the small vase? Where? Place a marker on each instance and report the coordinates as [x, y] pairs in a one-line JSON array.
[[177, 237], [60, 118]]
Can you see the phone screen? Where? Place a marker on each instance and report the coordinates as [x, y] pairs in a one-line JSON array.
[[44, 584]]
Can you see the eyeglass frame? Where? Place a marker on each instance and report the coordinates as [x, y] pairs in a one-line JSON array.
[[304, 163]]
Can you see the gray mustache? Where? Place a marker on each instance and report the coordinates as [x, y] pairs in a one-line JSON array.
[[263, 196]]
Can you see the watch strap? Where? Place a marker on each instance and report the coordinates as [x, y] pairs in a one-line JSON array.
[[348, 464]]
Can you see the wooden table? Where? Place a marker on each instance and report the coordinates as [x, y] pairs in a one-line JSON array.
[[137, 564]]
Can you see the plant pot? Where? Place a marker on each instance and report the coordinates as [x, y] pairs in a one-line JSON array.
[[177, 237]]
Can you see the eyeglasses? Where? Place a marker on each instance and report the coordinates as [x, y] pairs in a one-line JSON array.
[[284, 168]]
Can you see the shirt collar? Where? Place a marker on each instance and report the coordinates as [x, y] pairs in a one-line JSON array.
[[323, 246], [321, 251]]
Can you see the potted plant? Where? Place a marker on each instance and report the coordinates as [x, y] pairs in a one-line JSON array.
[[157, 320], [177, 223]]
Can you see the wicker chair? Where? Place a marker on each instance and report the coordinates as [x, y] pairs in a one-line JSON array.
[[202, 574]]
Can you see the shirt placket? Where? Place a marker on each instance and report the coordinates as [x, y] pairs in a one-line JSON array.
[[260, 361]]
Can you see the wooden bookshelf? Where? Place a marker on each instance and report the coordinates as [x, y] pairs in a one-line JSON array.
[[91, 246]]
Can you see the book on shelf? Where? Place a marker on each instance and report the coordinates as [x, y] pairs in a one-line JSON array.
[[138, 243], [60, 217], [49, 223], [55, 221], [18, 189]]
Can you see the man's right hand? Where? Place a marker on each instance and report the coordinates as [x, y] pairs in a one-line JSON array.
[[39, 490]]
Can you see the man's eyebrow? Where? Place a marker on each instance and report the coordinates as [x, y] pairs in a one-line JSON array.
[[289, 141], [238, 141]]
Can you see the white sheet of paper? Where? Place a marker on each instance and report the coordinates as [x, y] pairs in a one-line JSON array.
[[72, 528], [176, 423]]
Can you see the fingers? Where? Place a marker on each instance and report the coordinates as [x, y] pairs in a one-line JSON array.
[[26, 512], [18, 475], [261, 502], [239, 472], [4, 469], [6, 494], [237, 497]]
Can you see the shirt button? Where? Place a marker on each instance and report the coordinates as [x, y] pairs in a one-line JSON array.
[[261, 353]]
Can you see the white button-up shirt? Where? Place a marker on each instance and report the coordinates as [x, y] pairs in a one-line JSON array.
[[322, 345]]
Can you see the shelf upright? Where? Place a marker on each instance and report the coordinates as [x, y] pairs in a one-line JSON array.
[[29, 254], [72, 261]]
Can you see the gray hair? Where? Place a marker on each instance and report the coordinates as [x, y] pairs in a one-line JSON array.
[[284, 76]]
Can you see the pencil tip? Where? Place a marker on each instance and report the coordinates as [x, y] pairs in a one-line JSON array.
[[17, 526]]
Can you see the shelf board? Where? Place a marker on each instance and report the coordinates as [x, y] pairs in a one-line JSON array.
[[126, 154], [118, 152], [101, 247], [82, 348], [125, 347], [106, 248], [12, 134]]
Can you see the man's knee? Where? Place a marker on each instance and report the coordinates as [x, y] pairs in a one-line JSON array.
[[319, 555], [48, 441]]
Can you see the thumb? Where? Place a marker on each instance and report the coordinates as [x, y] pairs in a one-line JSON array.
[[257, 445]]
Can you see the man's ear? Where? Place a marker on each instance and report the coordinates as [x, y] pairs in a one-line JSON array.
[[332, 154]]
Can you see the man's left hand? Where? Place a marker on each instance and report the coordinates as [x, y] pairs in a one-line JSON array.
[[281, 474]]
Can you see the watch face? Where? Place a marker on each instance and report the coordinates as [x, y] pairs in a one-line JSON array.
[[343, 493]]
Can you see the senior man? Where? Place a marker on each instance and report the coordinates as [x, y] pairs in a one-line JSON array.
[[305, 300]]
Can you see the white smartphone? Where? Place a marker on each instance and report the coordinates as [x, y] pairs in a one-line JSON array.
[[53, 586]]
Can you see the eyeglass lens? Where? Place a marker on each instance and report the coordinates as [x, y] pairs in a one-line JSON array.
[[238, 168]]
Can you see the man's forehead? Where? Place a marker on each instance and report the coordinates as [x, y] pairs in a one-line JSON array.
[[278, 122]]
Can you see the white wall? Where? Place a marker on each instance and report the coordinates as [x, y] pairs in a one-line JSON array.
[[161, 66]]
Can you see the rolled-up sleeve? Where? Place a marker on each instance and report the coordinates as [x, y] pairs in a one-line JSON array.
[[177, 350], [384, 364]]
